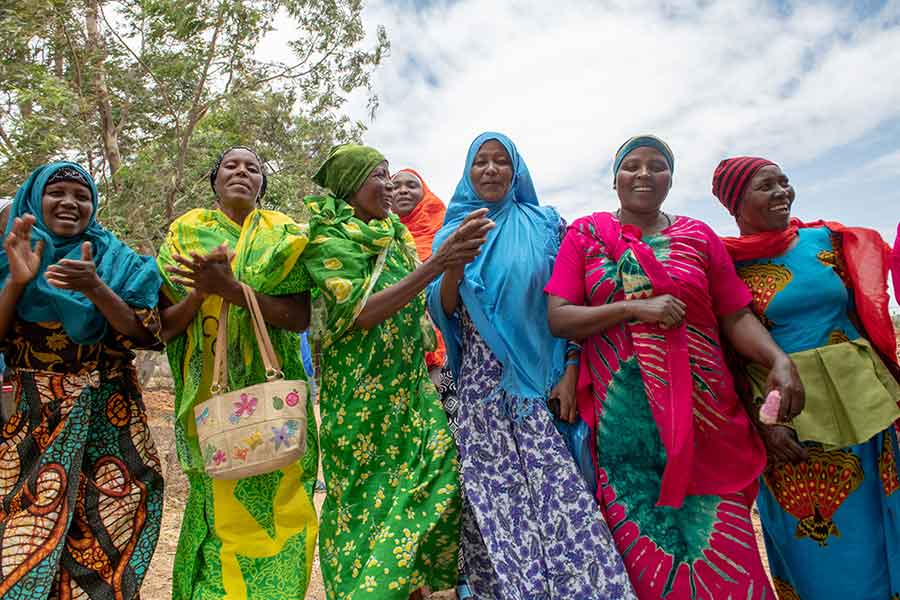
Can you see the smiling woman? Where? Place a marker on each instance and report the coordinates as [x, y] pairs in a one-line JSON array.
[[651, 295], [253, 537], [80, 480], [390, 522], [821, 290], [530, 527]]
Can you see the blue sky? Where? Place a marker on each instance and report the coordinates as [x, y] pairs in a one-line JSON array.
[[814, 86]]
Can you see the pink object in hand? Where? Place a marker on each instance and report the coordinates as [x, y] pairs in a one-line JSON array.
[[768, 412]]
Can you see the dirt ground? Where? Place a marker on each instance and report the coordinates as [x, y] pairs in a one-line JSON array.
[[157, 585]]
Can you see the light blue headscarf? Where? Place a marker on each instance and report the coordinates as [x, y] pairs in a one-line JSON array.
[[503, 288], [133, 277]]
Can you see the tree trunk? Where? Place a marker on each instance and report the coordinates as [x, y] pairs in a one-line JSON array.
[[109, 133]]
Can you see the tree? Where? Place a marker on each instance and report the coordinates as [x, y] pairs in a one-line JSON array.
[[147, 92]]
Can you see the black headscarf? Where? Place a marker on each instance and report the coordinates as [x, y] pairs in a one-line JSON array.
[[262, 169]]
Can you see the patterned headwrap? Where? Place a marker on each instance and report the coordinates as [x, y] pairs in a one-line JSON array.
[[346, 168], [262, 168], [732, 177], [643, 141], [68, 174]]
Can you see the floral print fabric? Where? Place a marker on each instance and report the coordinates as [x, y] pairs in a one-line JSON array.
[[390, 521], [531, 528]]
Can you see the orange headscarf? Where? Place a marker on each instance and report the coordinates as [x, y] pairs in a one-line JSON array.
[[425, 219], [423, 222]]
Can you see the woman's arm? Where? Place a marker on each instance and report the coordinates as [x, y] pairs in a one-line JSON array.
[[391, 300], [212, 274], [575, 322], [751, 340], [175, 318], [450, 289], [461, 248], [81, 276], [9, 297], [24, 263]]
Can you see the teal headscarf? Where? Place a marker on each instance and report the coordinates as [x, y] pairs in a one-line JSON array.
[[346, 168], [644, 141], [503, 288], [133, 277]]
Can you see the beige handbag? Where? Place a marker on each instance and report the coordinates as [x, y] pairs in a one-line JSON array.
[[256, 429]]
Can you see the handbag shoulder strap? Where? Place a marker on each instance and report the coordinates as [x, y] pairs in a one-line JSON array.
[[263, 342], [220, 351]]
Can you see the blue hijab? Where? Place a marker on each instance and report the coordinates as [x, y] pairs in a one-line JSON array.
[[133, 277], [503, 288]]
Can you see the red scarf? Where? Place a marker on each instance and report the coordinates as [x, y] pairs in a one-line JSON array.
[[425, 219], [895, 265], [867, 258]]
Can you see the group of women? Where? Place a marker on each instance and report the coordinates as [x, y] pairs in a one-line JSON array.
[[458, 348]]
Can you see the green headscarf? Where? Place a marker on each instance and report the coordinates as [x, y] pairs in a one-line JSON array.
[[346, 168]]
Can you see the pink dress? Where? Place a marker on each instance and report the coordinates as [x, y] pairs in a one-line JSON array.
[[678, 458]]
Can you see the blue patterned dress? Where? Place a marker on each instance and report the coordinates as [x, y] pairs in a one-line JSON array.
[[531, 529], [831, 524]]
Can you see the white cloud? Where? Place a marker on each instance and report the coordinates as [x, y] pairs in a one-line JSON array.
[[570, 80]]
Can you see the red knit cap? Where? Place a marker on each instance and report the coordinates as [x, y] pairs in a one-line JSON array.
[[732, 177]]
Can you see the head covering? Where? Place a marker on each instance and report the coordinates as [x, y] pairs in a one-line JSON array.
[[732, 177], [425, 219], [643, 141], [346, 168], [502, 289], [68, 174], [262, 168], [133, 277]]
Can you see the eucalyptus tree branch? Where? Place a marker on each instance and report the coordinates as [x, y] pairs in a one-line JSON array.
[[162, 88]]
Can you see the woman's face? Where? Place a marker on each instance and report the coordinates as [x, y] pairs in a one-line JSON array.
[[643, 181], [239, 180], [491, 172], [408, 193], [767, 201], [373, 200], [67, 208]]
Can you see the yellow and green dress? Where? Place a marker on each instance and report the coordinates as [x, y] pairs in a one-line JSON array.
[[251, 538], [390, 522]]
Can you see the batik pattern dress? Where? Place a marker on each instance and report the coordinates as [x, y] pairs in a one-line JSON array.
[[390, 521], [252, 537], [531, 528], [81, 488], [693, 539], [831, 523]]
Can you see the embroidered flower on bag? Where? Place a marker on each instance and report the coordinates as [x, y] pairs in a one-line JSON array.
[[240, 453], [292, 398], [245, 406], [254, 440], [219, 457], [282, 436], [203, 417]]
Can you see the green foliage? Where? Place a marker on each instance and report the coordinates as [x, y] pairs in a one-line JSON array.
[[147, 93]]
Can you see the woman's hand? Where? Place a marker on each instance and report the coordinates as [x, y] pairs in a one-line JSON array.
[[564, 393], [666, 310], [76, 275], [464, 244], [784, 377], [206, 275], [782, 445], [24, 262]]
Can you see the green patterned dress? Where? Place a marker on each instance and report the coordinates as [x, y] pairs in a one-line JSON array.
[[390, 523], [252, 538]]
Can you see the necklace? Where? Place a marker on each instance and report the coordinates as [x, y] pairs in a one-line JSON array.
[[666, 215]]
